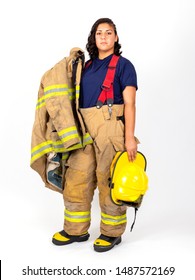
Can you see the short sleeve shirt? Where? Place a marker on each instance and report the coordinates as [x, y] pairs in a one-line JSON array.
[[94, 75]]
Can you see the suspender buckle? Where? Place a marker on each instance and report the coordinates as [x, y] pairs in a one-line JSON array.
[[110, 110], [105, 87], [99, 104], [110, 102]]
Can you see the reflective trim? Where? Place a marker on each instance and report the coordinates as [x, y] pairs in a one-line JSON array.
[[65, 156], [56, 87], [77, 91], [40, 150], [77, 217], [57, 146], [68, 133], [40, 102], [87, 139], [50, 146], [55, 90], [113, 220]]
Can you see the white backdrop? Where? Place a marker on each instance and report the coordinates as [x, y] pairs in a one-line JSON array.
[[159, 38]]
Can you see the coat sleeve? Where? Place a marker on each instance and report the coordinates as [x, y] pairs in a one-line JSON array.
[[59, 95]]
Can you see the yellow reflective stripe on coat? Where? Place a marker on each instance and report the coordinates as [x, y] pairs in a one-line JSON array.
[[77, 91], [65, 155], [40, 150], [57, 146], [58, 90], [87, 139], [50, 146], [55, 90], [68, 133], [113, 220], [77, 217]]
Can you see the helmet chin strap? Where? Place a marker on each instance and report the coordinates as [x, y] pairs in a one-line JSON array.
[[134, 219]]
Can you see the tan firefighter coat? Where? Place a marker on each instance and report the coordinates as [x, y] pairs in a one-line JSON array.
[[58, 126]]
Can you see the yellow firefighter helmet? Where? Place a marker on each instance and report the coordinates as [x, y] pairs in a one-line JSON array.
[[129, 181]]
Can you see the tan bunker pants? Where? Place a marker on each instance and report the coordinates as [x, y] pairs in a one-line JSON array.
[[90, 167]]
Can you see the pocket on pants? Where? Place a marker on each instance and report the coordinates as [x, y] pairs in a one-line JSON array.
[[118, 143]]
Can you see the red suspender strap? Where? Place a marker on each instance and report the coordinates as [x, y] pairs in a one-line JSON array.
[[107, 93]]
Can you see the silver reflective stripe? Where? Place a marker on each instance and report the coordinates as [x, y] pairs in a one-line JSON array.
[[73, 132], [55, 90], [77, 216], [41, 149], [113, 220]]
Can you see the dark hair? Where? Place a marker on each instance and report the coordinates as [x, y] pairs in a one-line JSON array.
[[91, 45]]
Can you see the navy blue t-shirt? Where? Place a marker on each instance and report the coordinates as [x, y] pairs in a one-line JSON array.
[[94, 75]]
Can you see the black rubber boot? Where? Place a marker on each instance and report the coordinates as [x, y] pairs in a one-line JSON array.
[[105, 243]]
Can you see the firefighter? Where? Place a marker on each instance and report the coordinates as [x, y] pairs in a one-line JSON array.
[[110, 121]]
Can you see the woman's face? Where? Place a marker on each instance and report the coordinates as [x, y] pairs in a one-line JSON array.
[[105, 39]]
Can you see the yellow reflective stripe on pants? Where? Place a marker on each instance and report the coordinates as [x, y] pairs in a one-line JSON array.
[[77, 217], [113, 220]]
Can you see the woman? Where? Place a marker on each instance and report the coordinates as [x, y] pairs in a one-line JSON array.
[[112, 129]]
